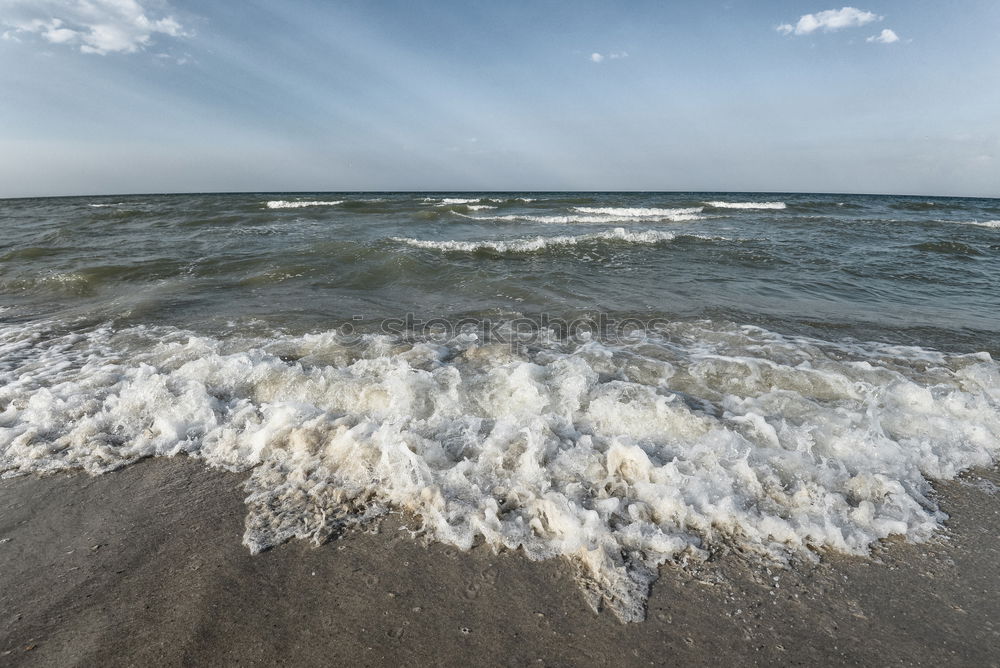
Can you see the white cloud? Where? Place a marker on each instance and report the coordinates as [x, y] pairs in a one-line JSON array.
[[95, 26], [885, 37], [614, 55], [829, 20]]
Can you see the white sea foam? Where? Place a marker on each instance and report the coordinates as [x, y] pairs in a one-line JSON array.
[[616, 458], [746, 205], [584, 217], [540, 243], [445, 201], [480, 207], [284, 204], [101, 206], [455, 200], [634, 212], [995, 224]]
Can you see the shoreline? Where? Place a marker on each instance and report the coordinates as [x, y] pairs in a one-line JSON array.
[[146, 565]]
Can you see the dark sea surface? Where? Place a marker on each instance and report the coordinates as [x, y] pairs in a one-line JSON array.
[[901, 269], [619, 379]]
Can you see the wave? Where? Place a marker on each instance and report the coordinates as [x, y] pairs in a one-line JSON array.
[[746, 205], [919, 206], [816, 206], [637, 212], [536, 244], [369, 206], [950, 247], [617, 457], [601, 218], [452, 200], [31, 253], [284, 204], [994, 224], [68, 283]]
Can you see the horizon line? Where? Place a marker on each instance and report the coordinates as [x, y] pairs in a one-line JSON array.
[[493, 192]]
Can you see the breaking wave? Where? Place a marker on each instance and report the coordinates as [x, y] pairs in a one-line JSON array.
[[637, 212], [451, 201], [616, 458], [536, 244], [285, 204], [746, 205], [673, 216]]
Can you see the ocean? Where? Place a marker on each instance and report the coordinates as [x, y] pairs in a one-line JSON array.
[[619, 380]]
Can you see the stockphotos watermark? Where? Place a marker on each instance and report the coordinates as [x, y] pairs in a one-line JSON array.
[[518, 331]]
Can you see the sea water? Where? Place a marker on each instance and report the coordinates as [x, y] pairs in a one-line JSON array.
[[615, 380]]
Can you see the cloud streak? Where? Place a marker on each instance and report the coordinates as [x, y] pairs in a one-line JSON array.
[[94, 26], [829, 20]]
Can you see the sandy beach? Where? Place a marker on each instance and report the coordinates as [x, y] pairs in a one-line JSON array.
[[145, 566]]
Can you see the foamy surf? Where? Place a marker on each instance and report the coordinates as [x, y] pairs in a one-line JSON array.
[[452, 200], [747, 205], [674, 215], [616, 458], [637, 212], [618, 234], [285, 204]]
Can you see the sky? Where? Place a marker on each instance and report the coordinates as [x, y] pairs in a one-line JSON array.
[[144, 96]]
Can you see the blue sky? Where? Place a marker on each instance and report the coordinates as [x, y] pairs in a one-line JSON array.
[[118, 96]]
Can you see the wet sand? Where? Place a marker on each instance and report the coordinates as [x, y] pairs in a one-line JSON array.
[[145, 566]]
